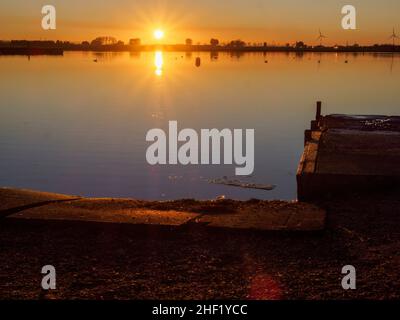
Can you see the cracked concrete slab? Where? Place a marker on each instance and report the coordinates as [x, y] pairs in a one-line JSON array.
[[267, 215], [311, 218]]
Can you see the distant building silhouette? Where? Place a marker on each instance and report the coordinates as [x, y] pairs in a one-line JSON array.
[[135, 42], [102, 41], [189, 42]]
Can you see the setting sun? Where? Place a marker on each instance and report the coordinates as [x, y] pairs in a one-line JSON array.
[[158, 34]]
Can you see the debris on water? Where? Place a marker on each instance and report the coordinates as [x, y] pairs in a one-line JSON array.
[[174, 177], [242, 184], [157, 115]]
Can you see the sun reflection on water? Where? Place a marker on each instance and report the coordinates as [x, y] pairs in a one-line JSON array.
[[158, 62]]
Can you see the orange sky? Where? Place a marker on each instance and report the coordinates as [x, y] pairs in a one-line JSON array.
[[273, 21]]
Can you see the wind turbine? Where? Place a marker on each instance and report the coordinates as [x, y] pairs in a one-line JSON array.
[[394, 36], [320, 37]]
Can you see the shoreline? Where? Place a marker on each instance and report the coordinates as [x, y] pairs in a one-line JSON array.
[[59, 50]]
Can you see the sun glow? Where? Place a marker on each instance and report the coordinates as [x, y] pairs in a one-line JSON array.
[[158, 34]]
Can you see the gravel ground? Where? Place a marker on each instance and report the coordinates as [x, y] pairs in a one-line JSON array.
[[120, 261]]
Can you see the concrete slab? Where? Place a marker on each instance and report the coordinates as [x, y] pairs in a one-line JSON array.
[[352, 153], [12, 198], [360, 122], [102, 210], [356, 152], [287, 218], [263, 215]]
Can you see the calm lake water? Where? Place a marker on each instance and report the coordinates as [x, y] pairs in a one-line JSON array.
[[70, 125]]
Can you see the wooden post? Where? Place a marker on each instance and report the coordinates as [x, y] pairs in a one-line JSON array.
[[307, 136], [319, 109], [314, 125]]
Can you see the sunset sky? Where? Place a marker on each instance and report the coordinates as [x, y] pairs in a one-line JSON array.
[[274, 21]]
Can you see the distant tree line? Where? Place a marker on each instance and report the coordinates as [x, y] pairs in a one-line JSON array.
[[111, 43]]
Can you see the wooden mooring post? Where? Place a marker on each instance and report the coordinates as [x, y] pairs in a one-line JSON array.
[[315, 124]]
